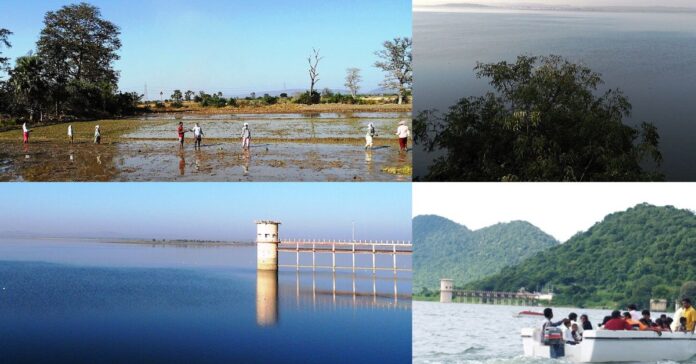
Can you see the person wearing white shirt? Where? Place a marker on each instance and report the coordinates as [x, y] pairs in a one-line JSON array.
[[246, 137], [70, 133], [403, 133], [25, 133], [97, 135], [197, 135], [633, 310], [369, 137]]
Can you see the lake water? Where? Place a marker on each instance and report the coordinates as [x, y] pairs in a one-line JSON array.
[[80, 301], [649, 56], [480, 334]]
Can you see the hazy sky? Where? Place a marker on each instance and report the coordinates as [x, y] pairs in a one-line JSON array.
[[224, 211], [231, 46], [675, 3], [560, 209]]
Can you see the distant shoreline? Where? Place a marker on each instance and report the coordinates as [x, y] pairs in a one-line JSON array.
[[152, 242], [282, 108]]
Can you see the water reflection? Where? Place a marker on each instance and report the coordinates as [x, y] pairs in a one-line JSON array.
[[266, 298], [182, 163], [247, 162]]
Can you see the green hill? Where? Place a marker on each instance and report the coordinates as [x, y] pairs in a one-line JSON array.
[[445, 249], [629, 257]]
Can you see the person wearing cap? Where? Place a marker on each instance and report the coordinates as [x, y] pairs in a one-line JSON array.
[[403, 133], [369, 137], [246, 136]]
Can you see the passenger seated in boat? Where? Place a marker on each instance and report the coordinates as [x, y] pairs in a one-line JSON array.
[[585, 321], [682, 325], [663, 325], [575, 330], [635, 325], [568, 332], [604, 321], [646, 320], [633, 310], [617, 323], [573, 317]]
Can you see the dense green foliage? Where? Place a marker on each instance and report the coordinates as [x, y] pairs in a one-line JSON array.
[[71, 73], [629, 257], [545, 121], [445, 249]]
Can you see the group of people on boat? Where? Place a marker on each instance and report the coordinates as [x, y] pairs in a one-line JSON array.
[[568, 331]]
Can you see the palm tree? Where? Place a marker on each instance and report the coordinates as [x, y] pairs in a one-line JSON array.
[[28, 83]]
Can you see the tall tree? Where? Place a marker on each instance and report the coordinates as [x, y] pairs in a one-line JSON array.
[[4, 42], [78, 48], [396, 60], [313, 60], [177, 96], [188, 95], [28, 84], [78, 44], [353, 79], [546, 121]]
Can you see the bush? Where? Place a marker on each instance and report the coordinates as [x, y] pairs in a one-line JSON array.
[[269, 100], [308, 99], [159, 104]]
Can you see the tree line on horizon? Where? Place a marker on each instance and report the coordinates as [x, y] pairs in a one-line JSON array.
[[71, 73]]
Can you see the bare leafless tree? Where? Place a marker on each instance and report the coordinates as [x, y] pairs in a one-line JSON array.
[[397, 62], [313, 60], [353, 80]]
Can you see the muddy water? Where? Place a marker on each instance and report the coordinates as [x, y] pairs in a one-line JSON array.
[[285, 126]]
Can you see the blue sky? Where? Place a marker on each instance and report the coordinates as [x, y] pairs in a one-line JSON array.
[[231, 46], [208, 210]]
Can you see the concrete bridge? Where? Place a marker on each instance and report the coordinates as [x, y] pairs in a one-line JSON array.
[[522, 297]]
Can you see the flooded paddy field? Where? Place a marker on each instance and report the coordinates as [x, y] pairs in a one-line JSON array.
[[285, 147]]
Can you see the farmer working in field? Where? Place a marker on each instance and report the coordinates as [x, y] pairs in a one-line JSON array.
[[25, 133], [70, 134], [246, 137], [403, 133], [369, 137], [97, 135], [197, 135], [180, 130]]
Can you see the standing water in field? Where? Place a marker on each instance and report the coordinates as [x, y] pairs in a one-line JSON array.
[[284, 147]]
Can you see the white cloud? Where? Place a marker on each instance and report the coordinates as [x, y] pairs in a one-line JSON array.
[[560, 209]]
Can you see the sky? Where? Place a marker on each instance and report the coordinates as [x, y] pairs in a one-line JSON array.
[[235, 47], [558, 209], [672, 3], [207, 211]]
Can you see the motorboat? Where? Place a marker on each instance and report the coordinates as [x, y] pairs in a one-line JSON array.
[[599, 346]]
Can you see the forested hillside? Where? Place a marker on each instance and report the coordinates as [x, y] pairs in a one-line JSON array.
[[629, 257], [445, 249]]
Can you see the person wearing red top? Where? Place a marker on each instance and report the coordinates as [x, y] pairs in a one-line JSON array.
[[181, 132], [617, 323]]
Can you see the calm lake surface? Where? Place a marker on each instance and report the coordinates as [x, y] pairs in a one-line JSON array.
[[476, 334], [650, 56], [79, 301]]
